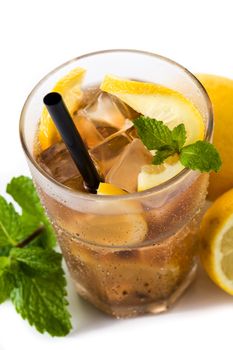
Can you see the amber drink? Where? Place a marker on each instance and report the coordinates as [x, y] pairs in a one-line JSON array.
[[127, 254]]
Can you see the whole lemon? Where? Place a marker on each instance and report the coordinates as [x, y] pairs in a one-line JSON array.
[[216, 235], [220, 91]]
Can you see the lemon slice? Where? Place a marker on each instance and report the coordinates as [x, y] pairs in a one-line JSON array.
[[161, 103], [158, 102], [217, 242], [113, 229], [109, 189], [69, 88], [127, 228], [154, 175], [112, 222]]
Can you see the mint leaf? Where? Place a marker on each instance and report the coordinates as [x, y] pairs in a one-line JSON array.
[[201, 156], [179, 136], [39, 260], [153, 133], [31, 273], [4, 263], [161, 155], [41, 300], [29, 223], [6, 279], [10, 229], [6, 285], [4, 251], [24, 193], [40, 294]]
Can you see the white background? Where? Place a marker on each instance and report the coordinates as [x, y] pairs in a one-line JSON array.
[[35, 37]]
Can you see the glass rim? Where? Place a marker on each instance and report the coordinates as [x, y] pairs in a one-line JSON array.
[[128, 196]]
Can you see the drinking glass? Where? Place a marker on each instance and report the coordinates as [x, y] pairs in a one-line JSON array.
[[136, 253]]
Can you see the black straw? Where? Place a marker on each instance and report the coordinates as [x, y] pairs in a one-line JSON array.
[[72, 139]]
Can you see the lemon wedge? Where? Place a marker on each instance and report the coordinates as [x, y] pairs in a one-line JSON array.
[[127, 227], [154, 175], [69, 88], [109, 189], [161, 103], [158, 102], [217, 242]]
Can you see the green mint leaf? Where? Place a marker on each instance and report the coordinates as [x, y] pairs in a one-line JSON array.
[[153, 133], [10, 230], [4, 251], [23, 191], [42, 301], [161, 155], [201, 156], [6, 285], [33, 215], [6, 279], [4, 263], [32, 275], [179, 136], [30, 224], [39, 260]]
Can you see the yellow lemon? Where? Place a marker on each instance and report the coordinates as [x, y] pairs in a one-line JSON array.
[[109, 189], [158, 102], [154, 175], [69, 88], [220, 91], [217, 242]]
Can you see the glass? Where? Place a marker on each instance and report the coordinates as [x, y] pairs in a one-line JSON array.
[[136, 253]]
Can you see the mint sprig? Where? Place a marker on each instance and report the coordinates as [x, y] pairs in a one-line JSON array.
[[155, 135], [31, 274]]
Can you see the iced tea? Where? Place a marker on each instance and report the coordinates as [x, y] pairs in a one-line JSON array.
[[128, 254]]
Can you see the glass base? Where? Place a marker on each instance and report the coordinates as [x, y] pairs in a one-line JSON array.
[[136, 310]]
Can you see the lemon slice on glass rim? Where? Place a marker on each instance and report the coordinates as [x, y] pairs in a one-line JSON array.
[[161, 103], [69, 87]]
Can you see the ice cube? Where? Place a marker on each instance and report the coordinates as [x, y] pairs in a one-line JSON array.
[[107, 113], [124, 172], [87, 130], [90, 94], [106, 153], [57, 162], [76, 183]]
